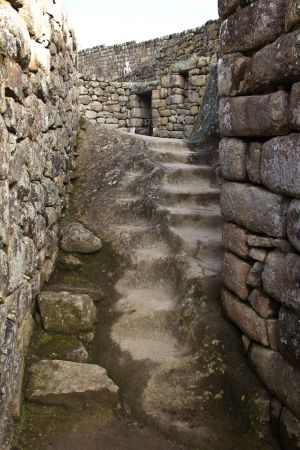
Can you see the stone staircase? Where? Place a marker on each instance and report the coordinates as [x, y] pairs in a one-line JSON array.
[[169, 319]]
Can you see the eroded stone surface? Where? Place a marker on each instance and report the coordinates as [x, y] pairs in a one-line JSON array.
[[245, 318], [70, 384], [289, 430], [66, 313], [237, 33], [280, 165], [235, 272], [254, 208], [274, 371], [258, 115], [233, 153], [280, 278], [289, 335], [76, 238]]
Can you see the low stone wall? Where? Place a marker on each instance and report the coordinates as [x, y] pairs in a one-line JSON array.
[[150, 58], [38, 121], [166, 107], [260, 162]]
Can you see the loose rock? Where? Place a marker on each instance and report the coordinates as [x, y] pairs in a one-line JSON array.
[[67, 313], [70, 384], [76, 238]]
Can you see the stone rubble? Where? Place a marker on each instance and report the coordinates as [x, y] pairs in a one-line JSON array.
[[76, 238]]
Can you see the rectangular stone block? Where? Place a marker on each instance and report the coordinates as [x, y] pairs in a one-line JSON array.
[[234, 273], [280, 165], [278, 375], [258, 115], [238, 34], [235, 240], [292, 15], [294, 112], [254, 208], [245, 318], [283, 65], [289, 335], [281, 278], [232, 156]]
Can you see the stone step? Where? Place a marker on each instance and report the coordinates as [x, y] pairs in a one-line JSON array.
[[180, 155], [193, 240], [184, 215], [180, 172], [174, 194]]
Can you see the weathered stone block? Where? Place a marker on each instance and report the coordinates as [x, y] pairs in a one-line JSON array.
[[66, 313], [227, 7], [278, 375], [253, 162], [13, 80], [234, 273], [4, 212], [237, 33], [259, 254], [40, 58], [292, 16], [245, 318], [70, 384], [280, 165], [77, 238], [258, 115], [263, 305], [259, 241], [231, 71], [281, 278], [283, 65], [171, 81], [254, 208], [289, 430], [293, 224], [198, 80], [235, 240], [232, 155], [289, 335]]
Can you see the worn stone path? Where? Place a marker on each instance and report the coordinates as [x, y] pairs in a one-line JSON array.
[[178, 362]]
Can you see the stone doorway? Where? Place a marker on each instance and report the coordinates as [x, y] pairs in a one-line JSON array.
[[143, 114]]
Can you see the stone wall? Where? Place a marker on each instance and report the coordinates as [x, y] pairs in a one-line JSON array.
[[259, 76], [38, 121], [150, 58], [166, 107]]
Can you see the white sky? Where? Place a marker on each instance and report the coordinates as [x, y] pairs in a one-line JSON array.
[[116, 21]]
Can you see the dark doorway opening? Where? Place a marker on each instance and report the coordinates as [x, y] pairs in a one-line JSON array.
[[145, 114]]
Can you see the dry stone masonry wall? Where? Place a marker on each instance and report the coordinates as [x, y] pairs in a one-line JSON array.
[[166, 107], [159, 54], [259, 74], [38, 121]]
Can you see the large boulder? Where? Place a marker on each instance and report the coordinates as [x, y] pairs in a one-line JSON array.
[[70, 384], [76, 238], [67, 313]]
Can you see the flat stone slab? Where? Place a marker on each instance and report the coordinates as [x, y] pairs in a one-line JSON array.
[[67, 313], [77, 238], [69, 384]]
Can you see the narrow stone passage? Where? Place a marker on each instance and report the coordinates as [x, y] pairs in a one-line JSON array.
[[162, 338]]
